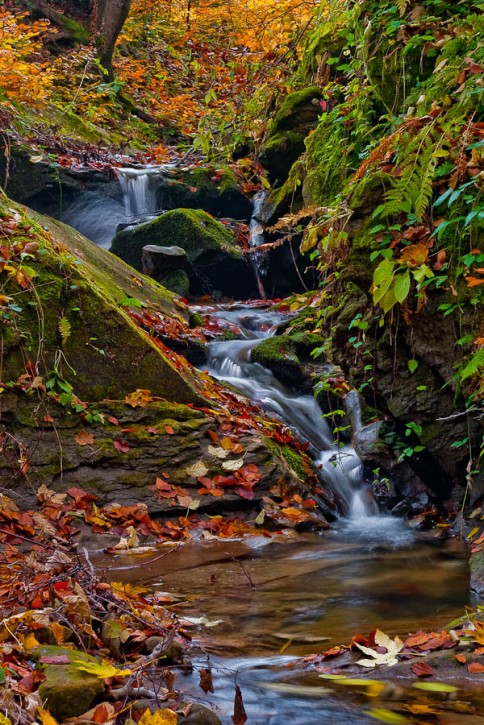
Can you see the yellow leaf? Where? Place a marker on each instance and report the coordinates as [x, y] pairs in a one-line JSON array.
[[103, 669], [159, 717], [30, 642], [59, 632], [45, 717]]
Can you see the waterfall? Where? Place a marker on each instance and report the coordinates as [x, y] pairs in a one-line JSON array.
[[339, 467], [140, 187], [256, 239]]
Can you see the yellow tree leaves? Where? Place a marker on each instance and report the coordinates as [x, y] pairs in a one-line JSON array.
[[24, 76]]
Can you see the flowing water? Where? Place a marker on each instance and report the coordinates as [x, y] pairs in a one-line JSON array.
[[132, 200], [230, 361], [269, 601]]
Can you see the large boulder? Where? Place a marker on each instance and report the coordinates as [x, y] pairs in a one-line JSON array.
[[216, 191], [69, 327], [211, 248], [284, 143]]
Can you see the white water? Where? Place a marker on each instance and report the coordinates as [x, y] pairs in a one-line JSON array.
[[140, 187], [98, 216], [339, 467], [256, 239]]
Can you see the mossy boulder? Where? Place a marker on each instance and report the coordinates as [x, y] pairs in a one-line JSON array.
[[211, 247], [284, 143], [215, 190], [70, 319], [289, 357], [67, 691]]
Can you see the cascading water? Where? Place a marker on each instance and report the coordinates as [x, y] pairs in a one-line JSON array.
[[256, 239], [230, 360], [139, 188], [99, 216]]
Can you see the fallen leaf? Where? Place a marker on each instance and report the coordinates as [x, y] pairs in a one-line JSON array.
[[45, 717], [139, 398], [206, 680], [197, 469], [218, 452], [240, 716], [159, 717], [121, 445], [103, 669], [421, 669], [434, 686], [393, 647], [233, 465], [475, 667], [83, 438], [169, 430]]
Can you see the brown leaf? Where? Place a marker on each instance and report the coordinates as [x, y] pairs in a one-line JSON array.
[[421, 669], [83, 438], [239, 717], [461, 658], [206, 680]]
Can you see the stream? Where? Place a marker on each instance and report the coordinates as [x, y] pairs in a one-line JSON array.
[[268, 601]]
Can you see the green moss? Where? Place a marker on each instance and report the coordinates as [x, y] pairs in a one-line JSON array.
[[326, 163], [103, 354], [288, 196], [296, 461], [284, 143], [67, 691], [78, 32], [280, 348], [191, 229]]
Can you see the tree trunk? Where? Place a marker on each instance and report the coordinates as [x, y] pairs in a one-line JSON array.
[[111, 16]]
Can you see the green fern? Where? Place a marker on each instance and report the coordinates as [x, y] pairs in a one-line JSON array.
[[412, 191], [473, 366]]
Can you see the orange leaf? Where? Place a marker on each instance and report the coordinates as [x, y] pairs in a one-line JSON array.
[[473, 281], [461, 658], [475, 667], [421, 669], [169, 430], [414, 255], [83, 438]]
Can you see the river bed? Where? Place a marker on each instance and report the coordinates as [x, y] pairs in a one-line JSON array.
[[282, 598]]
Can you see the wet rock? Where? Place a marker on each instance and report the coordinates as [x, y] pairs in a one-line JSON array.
[[67, 691], [217, 261], [198, 715], [157, 262], [477, 573], [289, 357], [173, 653]]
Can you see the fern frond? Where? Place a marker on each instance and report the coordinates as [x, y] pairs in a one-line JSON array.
[[64, 328], [412, 191], [401, 5], [473, 366]]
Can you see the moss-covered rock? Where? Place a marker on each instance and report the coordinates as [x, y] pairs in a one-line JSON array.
[[67, 691], [215, 190], [210, 245], [70, 321], [289, 357], [296, 116]]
